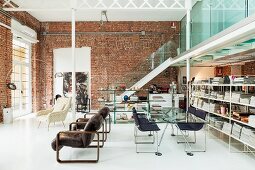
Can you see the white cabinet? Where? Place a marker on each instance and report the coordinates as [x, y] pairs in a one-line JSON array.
[[7, 115]]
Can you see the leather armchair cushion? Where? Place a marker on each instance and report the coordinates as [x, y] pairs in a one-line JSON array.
[[80, 140], [72, 140], [105, 111], [94, 124]]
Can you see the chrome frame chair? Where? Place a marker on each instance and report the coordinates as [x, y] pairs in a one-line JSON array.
[[144, 125], [192, 126]]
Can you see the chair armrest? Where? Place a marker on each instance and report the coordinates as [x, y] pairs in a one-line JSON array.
[[76, 123], [77, 132], [74, 132], [43, 112], [82, 120], [85, 116], [57, 116]]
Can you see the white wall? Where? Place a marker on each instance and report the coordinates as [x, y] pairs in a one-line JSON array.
[[63, 63], [198, 72]]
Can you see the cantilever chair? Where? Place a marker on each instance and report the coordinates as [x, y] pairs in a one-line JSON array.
[[192, 126], [105, 112], [144, 125], [79, 139]]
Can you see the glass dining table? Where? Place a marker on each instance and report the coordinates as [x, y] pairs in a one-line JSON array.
[[169, 116]]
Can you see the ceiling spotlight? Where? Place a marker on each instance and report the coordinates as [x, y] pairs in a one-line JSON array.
[[103, 13]]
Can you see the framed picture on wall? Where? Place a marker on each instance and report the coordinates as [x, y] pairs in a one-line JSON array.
[[82, 85], [218, 71]]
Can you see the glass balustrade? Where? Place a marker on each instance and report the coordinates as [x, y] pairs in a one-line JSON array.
[[209, 17], [166, 51]]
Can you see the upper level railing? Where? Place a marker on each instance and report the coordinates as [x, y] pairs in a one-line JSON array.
[[209, 17]]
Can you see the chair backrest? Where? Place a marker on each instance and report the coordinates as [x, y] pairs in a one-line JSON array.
[[68, 103], [200, 113], [135, 117], [94, 124], [191, 110], [104, 112]]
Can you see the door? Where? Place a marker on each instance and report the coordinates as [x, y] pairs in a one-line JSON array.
[[21, 77]]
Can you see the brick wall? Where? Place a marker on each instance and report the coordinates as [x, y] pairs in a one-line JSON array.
[[113, 55], [6, 58], [5, 63], [249, 68]]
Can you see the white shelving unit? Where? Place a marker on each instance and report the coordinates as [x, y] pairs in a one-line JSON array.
[[208, 88]]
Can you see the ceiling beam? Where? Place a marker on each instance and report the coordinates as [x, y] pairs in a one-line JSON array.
[[114, 5]]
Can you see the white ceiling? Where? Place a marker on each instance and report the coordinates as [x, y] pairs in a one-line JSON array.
[[169, 11]]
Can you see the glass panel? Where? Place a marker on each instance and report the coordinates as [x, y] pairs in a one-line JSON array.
[[25, 77], [25, 100], [251, 7], [183, 35], [200, 18], [209, 17], [25, 70], [25, 106]]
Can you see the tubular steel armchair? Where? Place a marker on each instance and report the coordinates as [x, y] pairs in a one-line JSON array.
[[56, 114], [80, 139], [192, 126], [105, 112]]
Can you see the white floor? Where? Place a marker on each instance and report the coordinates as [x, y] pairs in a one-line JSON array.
[[25, 147]]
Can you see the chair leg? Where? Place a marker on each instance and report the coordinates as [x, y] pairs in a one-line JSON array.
[[187, 135], [189, 152], [186, 144], [157, 153], [63, 123], [39, 124], [98, 138], [76, 161], [137, 136], [137, 143]]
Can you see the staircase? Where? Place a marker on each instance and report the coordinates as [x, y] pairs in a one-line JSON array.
[[149, 68]]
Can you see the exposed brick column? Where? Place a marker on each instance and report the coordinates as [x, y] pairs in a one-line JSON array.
[[5, 63]]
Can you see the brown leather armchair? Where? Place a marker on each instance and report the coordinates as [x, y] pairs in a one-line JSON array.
[[104, 112], [80, 139]]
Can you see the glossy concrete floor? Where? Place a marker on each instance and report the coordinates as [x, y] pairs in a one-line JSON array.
[[23, 146]]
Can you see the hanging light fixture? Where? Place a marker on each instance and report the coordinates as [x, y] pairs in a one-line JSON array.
[[173, 25], [103, 13]]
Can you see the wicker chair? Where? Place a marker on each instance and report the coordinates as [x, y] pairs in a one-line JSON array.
[[56, 114]]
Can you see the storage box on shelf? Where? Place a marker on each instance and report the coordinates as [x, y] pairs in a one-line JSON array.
[[231, 107], [121, 106]]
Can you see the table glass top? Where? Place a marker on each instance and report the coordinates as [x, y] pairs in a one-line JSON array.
[[169, 115]]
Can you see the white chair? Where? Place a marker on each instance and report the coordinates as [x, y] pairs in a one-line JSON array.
[[57, 114]]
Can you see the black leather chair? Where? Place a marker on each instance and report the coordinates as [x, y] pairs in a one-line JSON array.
[[192, 126], [79, 139], [144, 125]]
